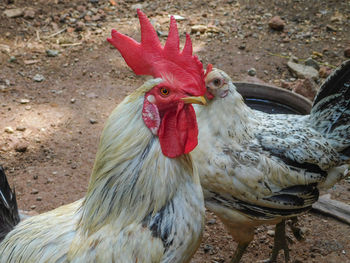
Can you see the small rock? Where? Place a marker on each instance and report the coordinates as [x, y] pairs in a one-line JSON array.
[[271, 233], [30, 61], [252, 72], [324, 72], [34, 192], [24, 101], [79, 26], [286, 85], [12, 13], [312, 63], [276, 23], [20, 128], [21, 147], [242, 46], [33, 207], [198, 28], [207, 248], [211, 221], [52, 53], [9, 130], [38, 78], [39, 198], [177, 17], [12, 59], [96, 17], [303, 71], [93, 121], [347, 52], [305, 87], [331, 28], [3, 88], [5, 48], [29, 13]]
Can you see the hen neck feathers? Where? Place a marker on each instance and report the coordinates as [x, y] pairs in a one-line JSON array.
[[229, 119]]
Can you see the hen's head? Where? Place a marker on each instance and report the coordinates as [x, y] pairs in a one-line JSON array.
[[167, 109], [218, 84]]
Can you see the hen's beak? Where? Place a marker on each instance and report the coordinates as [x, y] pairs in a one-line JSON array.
[[195, 100]]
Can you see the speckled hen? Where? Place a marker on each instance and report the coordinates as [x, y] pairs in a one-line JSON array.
[[257, 168], [144, 202]]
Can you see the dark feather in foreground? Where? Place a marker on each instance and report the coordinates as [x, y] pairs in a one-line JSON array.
[[9, 216]]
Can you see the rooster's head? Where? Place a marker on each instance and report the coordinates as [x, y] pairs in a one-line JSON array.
[[167, 109]]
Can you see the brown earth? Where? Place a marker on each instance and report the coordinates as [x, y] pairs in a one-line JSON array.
[[55, 124]]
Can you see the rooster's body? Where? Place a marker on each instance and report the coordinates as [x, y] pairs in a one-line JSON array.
[[140, 207], [263, 168], [144, 202]]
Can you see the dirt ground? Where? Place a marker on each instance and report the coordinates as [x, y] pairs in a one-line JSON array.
[[50, 127]]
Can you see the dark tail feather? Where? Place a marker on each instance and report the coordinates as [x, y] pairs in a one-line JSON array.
[[9, 216], [330, 112]]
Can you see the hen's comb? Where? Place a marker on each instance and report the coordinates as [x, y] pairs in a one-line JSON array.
[[168, 62]]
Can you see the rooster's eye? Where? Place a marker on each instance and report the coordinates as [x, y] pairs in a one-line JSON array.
[[217, 82], [164, 91]]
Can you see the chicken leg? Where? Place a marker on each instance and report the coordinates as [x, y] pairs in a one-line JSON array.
[[280, 242], [239, 252]]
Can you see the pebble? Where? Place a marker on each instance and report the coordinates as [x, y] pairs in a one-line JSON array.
[[5, 48], [3, 88], [9, 130], [12, 59], [306, 87], [211, 221], [324, 72], [72, 100], [198, 28], [38, 78], [34, 192], [207, 248], [52, 53], [79, 26], [21, 147], [33, 207], [303, 71], [29, 13], [20, 128], [312, 63], [276, 23], [252, 72], [12, 13], [39, 198], [271, 233], [24, 101], [93, 121], [331, 28]]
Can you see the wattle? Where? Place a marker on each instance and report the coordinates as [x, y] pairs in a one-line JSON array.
[[178, 132]]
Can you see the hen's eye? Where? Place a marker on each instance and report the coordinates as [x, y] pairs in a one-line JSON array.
[[164, 91], [217, 82]]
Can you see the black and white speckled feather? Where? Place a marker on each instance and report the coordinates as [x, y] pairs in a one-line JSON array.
[[267, 167]]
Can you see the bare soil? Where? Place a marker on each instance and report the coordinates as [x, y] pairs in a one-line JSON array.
[[49, 130]]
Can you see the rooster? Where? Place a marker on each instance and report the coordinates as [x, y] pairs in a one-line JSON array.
[[263, 168], [144, 201]]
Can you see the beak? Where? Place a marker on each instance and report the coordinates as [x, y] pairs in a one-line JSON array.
[[195, 100]]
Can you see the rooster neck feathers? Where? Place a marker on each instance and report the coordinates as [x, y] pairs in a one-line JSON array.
[[130, 164]]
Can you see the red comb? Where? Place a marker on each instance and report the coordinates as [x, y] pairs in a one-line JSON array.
[[168, 62]]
